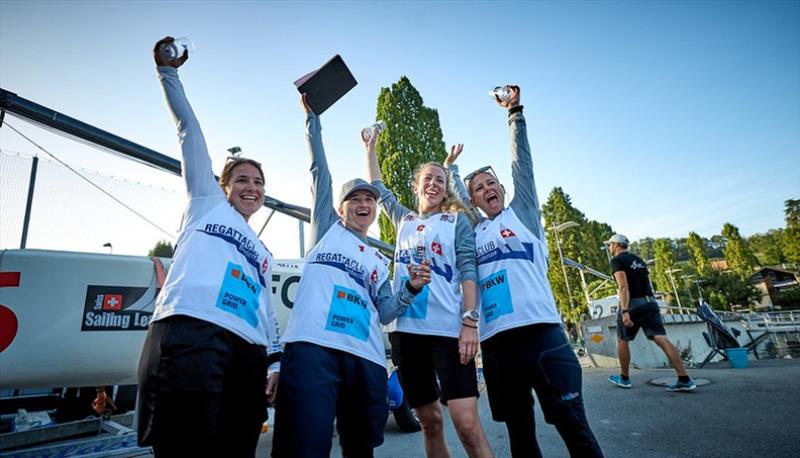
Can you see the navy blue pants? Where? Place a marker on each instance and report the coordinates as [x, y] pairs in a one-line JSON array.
[[537, 357], [320, 384]]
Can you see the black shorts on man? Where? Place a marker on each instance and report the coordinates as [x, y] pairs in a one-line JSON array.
[[645, 315]]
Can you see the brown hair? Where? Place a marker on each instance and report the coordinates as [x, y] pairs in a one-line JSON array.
[[227, 171], [451, 202]]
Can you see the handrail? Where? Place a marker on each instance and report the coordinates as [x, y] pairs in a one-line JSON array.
[[773, 321]]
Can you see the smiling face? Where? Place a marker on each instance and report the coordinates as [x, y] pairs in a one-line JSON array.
[[245, 189], [358, 211], [431, 188], [487, 194]]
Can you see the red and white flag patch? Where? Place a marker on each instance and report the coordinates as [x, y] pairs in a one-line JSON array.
[[506, 233], [112, 302]]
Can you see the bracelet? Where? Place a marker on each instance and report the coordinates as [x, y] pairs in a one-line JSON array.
[[411, 288], [469, 325], [515, 109], [626, 311]]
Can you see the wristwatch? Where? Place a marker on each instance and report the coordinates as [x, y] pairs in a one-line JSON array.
[[472, 315]]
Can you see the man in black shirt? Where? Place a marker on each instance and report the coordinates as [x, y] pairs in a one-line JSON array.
[[639, 309]]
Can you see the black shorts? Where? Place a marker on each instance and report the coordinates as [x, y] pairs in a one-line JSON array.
[[202, 390], [430, 368], [646, 316]]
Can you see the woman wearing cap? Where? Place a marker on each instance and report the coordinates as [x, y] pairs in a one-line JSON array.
[[436, 339], [213, 333], [522, 340], [334, 364]]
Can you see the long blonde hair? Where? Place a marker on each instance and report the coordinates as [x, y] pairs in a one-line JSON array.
[[451, 202]]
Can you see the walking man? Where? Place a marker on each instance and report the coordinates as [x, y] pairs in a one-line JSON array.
[[639, 309]]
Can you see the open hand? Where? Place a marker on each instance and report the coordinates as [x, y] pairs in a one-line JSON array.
[[467, 343], [455, 151]]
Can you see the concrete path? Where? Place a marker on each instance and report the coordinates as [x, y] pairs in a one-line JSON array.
[[752, 412]]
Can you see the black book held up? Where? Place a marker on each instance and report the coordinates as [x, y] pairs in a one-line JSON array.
[[327, 84]]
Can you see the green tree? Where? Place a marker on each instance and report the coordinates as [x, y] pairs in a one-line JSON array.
[[723, 290], [643, 248], [698, 254], [787, 299], [791, 240], [681, 250], [413, 137], [716, 245], [602, 288], [558, 210], [582, 243], [738, 255], [768, 247], [664, 253], [593, 250], [162, 249]]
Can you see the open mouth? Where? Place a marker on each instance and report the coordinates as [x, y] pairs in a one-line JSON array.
[[250, 198], [432, 192], [492, 199], [362, 212]]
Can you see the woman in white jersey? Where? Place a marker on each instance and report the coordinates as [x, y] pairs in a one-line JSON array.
[[522, 340], [334, 365], [204, 382], [436, 339]]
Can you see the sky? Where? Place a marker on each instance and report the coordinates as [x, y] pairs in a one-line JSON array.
[[658, 118]]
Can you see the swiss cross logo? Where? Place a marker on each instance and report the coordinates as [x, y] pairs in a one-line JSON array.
[[236, 273], [112, 302], [506, 233], [421, 227], [374, 277], [361, 248], [264, 266], [342, 295], [437, 248]]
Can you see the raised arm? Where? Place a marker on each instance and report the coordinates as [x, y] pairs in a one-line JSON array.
[[323, 215], [458, 183], [196, 163], [388, 201], [525, 202]]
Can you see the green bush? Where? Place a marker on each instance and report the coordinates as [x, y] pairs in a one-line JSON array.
[[787, 299]]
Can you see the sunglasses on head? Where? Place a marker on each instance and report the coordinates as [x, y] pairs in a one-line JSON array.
[[485, 169]]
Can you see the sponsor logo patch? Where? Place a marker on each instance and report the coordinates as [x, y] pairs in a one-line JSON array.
[[118, 308]]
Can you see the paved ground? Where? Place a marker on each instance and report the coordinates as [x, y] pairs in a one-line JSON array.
[[752, 412]]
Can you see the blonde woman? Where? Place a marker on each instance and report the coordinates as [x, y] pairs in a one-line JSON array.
[[436, 338]]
